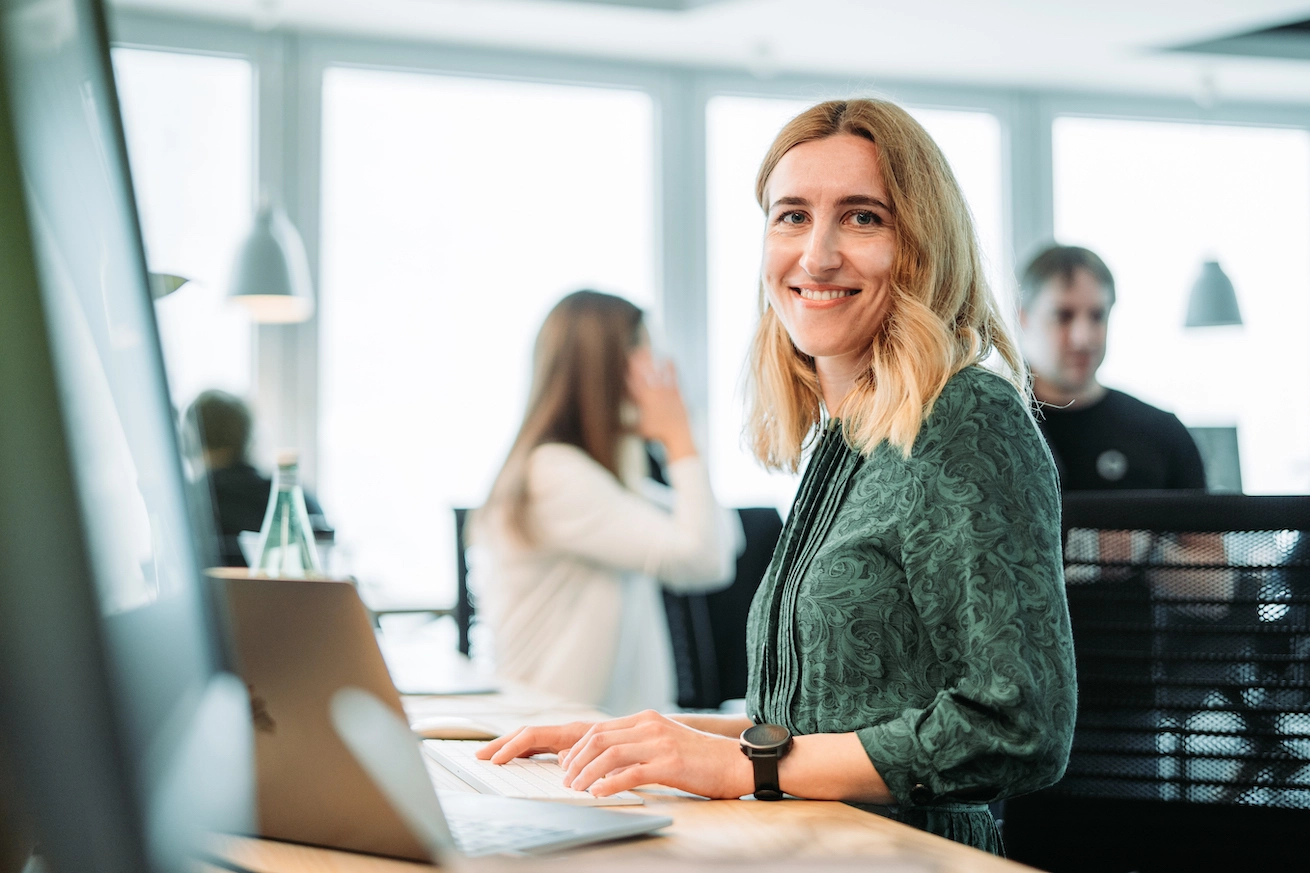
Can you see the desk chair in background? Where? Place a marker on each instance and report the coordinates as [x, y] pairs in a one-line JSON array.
[[708, 631], [462, 611], [463, 600], [1192, 743]]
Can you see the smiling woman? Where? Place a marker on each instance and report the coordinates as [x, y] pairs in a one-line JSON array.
[[909, 647], [829, 250]]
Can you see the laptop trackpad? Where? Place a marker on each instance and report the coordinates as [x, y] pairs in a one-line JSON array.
[[483, 824]]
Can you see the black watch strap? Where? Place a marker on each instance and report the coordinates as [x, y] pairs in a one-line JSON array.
[[765, 745], [766, 777]]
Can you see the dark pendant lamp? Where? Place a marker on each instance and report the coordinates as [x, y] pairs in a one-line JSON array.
[[1213, 301]]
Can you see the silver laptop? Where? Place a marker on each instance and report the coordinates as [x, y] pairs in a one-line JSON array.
[[297, 644]]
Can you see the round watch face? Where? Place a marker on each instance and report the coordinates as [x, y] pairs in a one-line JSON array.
[[765, 736]]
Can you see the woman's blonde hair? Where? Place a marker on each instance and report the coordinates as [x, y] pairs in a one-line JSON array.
[[942, 315], [579, 383]]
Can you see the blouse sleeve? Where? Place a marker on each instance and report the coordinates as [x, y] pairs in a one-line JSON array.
[[982, 558], [580, 508]]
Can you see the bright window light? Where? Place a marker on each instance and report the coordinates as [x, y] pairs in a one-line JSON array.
[[1155, 199], [455, 213], [739, 132], [189, 121]]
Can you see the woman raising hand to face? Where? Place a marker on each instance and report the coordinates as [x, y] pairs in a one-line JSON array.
[[568, 556]]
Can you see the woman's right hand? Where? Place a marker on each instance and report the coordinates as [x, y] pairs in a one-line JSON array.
[[526, 741], [662, 416]]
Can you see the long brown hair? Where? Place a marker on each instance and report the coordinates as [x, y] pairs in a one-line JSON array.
[[942, 318], [579, 383]]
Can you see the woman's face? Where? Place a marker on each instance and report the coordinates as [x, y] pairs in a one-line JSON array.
[[829, 245]]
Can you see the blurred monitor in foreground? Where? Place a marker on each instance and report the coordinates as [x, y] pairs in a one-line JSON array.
[[123, 738]]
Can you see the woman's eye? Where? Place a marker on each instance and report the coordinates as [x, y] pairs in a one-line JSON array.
[[791, 217], [865, 218]]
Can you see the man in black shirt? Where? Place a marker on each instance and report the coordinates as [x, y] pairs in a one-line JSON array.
[[1101, 438]]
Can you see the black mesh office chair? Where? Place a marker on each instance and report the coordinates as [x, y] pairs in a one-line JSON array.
[[1191, 625]]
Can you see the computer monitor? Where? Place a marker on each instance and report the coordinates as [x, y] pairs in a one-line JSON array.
[[124, 738]]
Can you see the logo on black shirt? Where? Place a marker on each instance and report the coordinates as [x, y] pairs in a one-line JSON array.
[[1111, 465]]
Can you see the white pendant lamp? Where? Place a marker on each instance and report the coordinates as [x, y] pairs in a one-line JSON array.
[[271, 274], [1213, 302]]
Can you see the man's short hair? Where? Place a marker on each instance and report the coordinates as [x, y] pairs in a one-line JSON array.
[[222, 421], [1060, 262]]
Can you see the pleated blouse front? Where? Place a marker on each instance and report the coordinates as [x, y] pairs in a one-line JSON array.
[[919, 602]]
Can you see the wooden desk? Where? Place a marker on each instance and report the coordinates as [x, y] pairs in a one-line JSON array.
[[715, 835]]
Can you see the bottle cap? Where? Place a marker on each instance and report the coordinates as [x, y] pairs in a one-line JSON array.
[[288, 457]]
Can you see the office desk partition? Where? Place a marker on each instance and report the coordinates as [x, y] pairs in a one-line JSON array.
[[705, 835]]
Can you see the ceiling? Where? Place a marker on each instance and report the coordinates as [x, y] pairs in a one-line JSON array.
[[1122, 46]]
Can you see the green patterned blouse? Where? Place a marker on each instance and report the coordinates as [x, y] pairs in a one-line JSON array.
[[920, 603]]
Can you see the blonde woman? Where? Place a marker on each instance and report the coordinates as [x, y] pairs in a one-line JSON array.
[[574, 542], [909, 647]]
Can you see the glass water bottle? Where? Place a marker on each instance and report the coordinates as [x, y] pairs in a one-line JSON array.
[[286, 540]]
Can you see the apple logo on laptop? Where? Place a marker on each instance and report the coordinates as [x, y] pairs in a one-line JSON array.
[[259, 713]]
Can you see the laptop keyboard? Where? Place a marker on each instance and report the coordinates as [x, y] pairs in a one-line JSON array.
[[536, 778], [478, 836]]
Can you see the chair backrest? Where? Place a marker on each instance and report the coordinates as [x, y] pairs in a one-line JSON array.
[[1191, 627], [708, 631], [463, 600]]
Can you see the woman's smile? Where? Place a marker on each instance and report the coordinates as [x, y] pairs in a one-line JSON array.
[[817, 295]]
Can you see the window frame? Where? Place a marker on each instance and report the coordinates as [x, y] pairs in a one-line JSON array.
[[288, 71]]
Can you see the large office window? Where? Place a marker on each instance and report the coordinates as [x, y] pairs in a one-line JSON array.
[[1157, 199], [189, 122], [455, 213], [739, 131]]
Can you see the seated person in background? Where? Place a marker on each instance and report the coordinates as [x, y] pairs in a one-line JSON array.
[[223, 427], [1101, 438], [568, 548]]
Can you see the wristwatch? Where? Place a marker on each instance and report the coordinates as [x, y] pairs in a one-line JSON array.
[[766, 745]]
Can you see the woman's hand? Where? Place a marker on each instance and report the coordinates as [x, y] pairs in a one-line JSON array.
[[527, 741], [614, 756], [661, 414]]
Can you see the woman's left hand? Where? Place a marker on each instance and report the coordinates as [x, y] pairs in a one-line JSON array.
[[617, 755]]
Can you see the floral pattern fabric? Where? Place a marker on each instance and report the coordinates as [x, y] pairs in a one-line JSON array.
[[920, 603]]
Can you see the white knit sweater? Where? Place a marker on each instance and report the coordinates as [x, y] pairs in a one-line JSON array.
[[579, 613]]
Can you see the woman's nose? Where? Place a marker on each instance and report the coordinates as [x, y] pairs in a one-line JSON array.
[[822, 254]]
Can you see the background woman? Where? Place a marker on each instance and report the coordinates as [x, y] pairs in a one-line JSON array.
[[571, 542], [911, 635]]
